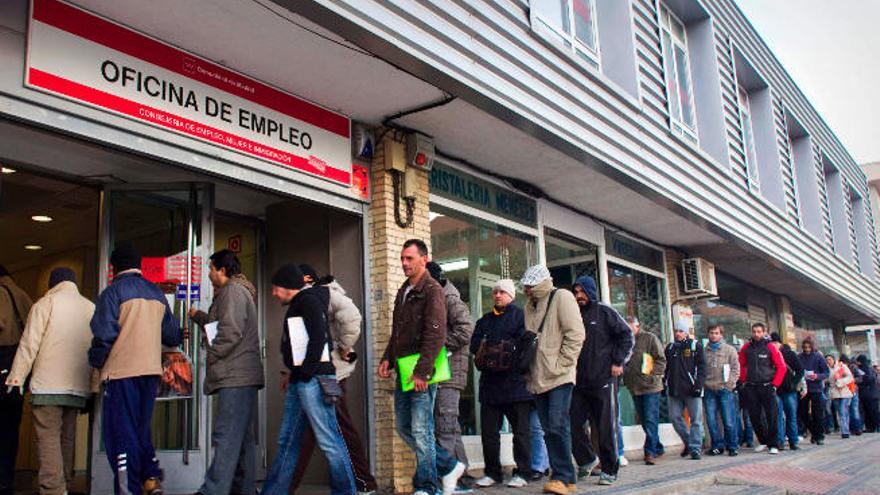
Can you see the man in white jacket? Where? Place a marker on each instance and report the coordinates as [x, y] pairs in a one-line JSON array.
[[54, 351]]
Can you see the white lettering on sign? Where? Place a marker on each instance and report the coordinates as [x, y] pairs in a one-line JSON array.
[[86, 58]]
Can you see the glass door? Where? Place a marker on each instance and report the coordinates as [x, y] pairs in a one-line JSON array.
[[172, 227]]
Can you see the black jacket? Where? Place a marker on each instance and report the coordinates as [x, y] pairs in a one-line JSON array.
[[793, 374], [685, 369], [868, 389], [500, 387], [609, 340], [310, 305]]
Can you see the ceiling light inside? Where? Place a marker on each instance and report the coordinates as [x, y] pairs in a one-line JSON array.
[[7, 170], [41, 218], [33, 247]]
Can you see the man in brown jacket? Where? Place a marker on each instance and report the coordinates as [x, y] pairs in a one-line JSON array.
[[722, 373], [644, 379], [14, 308], [419, 327], [555, 316]]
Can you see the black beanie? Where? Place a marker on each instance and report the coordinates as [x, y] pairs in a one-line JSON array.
[[61, 274], [774, 337], [307, 270], [436, 272], [125, 257], [288, 276]]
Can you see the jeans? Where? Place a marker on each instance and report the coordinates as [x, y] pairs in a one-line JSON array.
[[234, 465], [855, 415], [540, 460], [648, 409], [842, 408], [620, 449], [553, 409], [721, 401], [787, 418], [415, 425], [304, 405], [693, 438]]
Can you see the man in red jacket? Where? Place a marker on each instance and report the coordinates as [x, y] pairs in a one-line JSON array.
[[762, 370]]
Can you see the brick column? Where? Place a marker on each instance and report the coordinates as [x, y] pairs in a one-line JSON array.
[[395, 462]]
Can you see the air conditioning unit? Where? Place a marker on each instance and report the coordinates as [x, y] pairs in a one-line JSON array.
[[698, 278]]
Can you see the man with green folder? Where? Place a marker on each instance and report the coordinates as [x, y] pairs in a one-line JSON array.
[[419, 327]]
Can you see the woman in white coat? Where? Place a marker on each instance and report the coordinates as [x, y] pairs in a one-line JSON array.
[[841, 394]]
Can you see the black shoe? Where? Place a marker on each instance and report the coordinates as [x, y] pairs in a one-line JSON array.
[[535, 476], [715, 452], [820, 441], [844, 435], [685, 452], [695, 455], [794, 447], [732, 453]]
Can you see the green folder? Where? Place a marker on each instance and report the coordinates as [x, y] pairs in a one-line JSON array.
[[407, 364]]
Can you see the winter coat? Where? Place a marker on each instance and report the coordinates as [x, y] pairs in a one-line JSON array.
[[715, 361], [685, 369], [814, 362], [608, 340], [637, 382], [794, 371], [132, 322], [233, 358], [345, 327], [459, 330], [310, 305], [419, 325], [560, 340], [55, 344], [868, 389], [839, 380], [10, 331], [503, 387], [761, 363]]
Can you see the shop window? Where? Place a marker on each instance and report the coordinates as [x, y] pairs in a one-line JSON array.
[[676, 65], [475, 253], [572, 23], [817, 329], [569, 258]]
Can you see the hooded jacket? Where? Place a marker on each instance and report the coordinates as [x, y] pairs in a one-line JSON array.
[[794, 370], [55, 343], [637, 382], [310, 305], [815, 362], [233, 358], [500, 387], [345, 327], [608, 339], [761, 363], [868, 385], [559, 342], [459, 330], [685, 369]]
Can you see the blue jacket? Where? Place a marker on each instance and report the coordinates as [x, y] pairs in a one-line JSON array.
[[500, 387], [814, 362], [132, 322]]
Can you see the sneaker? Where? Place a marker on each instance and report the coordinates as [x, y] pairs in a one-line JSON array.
[[773, 451], [715, 452], [462, 489], [623, 460], [485, 482], [820, 441], [153, 486], [794, 446], [607, 479], [760, 447], [585, 470], [695, 455], [517, 482], [536, 476], [844, 435], [450, 481], [732, 453], [421, 492], [557, 487]]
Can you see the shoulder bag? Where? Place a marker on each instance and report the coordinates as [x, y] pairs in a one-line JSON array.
[[526, 347]]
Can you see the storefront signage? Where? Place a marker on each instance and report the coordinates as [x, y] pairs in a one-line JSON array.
[[483, 195], [633, 251], [83, 57]]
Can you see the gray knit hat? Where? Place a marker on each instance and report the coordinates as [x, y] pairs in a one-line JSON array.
[[506, 285]]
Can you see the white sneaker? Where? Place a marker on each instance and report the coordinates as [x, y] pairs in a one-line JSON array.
[[517, 482], [450, 481], [485, 482], [421, 492], [623, 461], [760, 447], [774, 450]]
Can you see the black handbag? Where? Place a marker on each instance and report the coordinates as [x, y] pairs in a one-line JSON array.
[[497, 357], [330, 389], [526, 347]]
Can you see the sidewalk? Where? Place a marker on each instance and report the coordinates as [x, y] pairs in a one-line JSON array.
[[849, 466]]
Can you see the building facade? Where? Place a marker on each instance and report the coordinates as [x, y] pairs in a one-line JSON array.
[[657, 145]]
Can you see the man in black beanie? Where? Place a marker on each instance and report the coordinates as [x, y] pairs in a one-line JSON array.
[[305, 350], [132, 322]]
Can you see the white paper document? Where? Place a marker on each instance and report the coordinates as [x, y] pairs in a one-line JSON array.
[[299, 341], [211, 331], [725, 372]]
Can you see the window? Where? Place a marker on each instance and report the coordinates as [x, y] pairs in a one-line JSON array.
[[573, 23], [676, 65], [748, 135]]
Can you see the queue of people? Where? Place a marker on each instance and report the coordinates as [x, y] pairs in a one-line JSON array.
[[551, 367]]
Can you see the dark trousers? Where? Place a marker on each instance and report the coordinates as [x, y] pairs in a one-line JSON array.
[[491, 418], [872, 415], [760, 401], [233, 468], [126, 416], [599, 407], [363, 479], [10, 418], [812, 409]]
